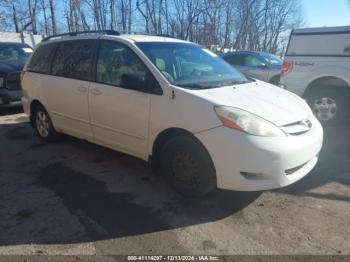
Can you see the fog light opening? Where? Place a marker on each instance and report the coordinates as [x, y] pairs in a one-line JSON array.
[[254, 176]]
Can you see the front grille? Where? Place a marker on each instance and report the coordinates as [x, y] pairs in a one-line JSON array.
[[13, 81], [294, 169], [297, 128]]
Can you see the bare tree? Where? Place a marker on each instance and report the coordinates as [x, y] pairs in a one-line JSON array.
[[236, 24], [32, 7], [66, 16], [3, 20], [14, 15], [153, 12], [113, 18], [97, 14], [140, 7], [46, 24], [53, 16], [186, 12], [129, 16], [84, 22]]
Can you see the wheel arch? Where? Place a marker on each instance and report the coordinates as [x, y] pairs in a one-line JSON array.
[[160, 141], [33, 105], [330, 81]]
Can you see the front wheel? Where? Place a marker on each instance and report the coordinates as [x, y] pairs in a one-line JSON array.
[[43, 125], [329, 104], [275, 80], [187, 166]]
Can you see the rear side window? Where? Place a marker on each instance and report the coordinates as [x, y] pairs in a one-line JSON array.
[[40, 62], [235, 59], [74, 59]]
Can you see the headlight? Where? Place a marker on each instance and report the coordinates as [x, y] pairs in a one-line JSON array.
[[247, 122], [1, 82]]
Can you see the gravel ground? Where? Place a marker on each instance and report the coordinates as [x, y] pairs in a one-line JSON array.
[[76, 198]]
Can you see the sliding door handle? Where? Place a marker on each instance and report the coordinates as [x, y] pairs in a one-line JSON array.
[[82, 89], [95, 92]]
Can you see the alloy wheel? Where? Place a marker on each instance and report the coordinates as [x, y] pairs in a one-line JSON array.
[[42, 124], [325, 108]]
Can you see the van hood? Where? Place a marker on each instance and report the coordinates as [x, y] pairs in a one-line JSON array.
[[270, 102]]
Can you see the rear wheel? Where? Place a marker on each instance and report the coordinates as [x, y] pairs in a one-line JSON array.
[[329, 104], [187, 166], [43, 125]]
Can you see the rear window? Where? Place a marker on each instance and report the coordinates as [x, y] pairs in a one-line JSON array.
[[40, 62], [73, 59], [14, 53]]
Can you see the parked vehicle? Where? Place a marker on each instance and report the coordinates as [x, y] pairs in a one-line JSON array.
[[259, 65], [13, 57], [317, 67], [197, 120]]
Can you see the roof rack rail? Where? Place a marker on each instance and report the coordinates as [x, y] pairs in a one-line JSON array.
[[107, 32], [166, 35]]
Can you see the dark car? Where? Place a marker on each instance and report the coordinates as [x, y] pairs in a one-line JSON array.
[[260, 65], [13, 56]]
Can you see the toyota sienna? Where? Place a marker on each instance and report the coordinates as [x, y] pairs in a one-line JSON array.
[[199, 122]]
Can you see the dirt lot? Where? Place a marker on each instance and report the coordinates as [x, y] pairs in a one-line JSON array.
[[77, 198]]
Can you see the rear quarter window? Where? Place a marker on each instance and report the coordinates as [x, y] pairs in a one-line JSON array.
[[40, 62]]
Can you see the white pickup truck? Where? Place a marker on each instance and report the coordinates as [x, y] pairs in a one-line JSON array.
[[317, 67]]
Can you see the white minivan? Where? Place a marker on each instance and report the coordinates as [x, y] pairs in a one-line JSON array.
[[198, 121]]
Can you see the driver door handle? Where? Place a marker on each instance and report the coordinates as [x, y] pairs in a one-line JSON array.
[[95, 92]]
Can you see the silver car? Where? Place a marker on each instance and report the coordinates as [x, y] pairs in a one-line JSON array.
[[260, 65]]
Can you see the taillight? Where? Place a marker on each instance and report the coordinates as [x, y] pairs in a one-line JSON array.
[[286, 67], [22, 76]]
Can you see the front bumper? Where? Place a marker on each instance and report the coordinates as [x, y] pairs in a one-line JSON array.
[[251, 163], [9, 96]]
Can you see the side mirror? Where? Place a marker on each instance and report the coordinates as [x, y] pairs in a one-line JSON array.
[[134, 81], [263, 65]]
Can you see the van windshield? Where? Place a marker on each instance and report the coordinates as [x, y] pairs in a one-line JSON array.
[[191, 66]]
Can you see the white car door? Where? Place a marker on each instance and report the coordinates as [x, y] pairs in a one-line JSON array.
[[66, 91], [118, 101]]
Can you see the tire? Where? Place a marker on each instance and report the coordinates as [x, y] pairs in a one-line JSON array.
[[329, 104], [187, 166], [43, 125], [275, 80]]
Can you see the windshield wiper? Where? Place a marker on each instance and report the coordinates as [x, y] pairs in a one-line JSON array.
[[234, 82], [220, 84], [193, 86]]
